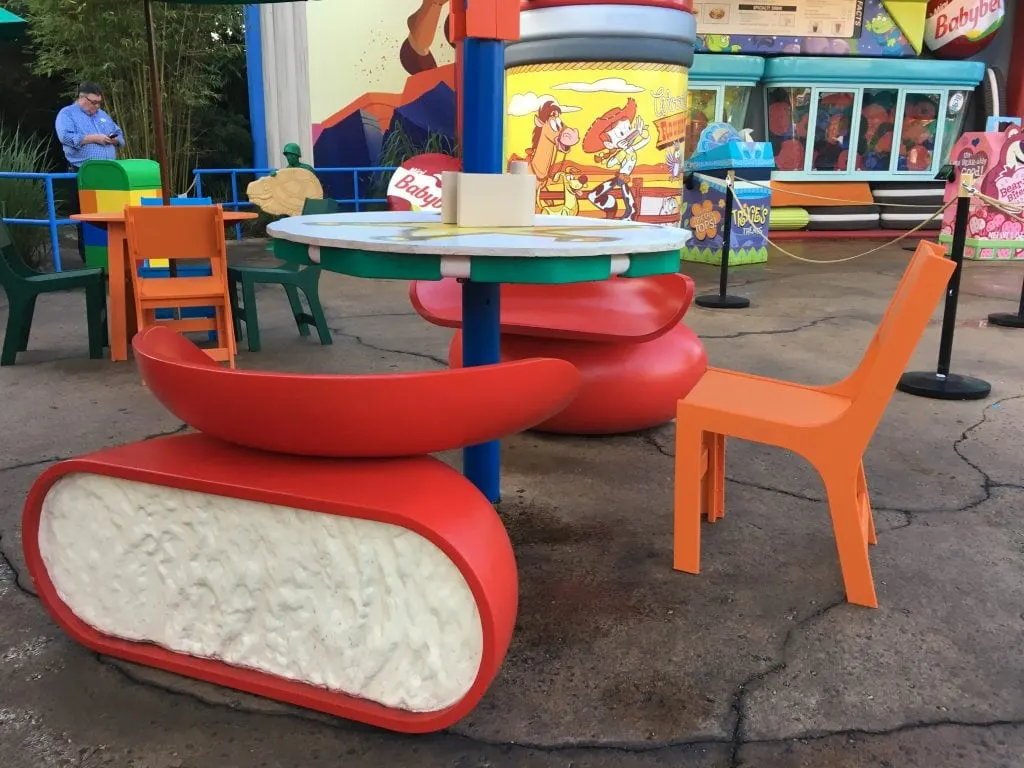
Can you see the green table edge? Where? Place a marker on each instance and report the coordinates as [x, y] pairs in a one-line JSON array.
[[485, 269]]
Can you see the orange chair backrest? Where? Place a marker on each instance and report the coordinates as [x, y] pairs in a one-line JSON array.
[[904, 322], [177, 233]]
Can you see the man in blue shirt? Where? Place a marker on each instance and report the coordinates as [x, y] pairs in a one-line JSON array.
[[86, 132]]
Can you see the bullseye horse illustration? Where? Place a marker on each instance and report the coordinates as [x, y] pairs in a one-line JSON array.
[[551, 137]]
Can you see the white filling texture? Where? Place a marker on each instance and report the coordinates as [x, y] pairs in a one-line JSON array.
[[355, 606]]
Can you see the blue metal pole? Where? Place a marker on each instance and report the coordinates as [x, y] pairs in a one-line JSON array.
[[254, 77], [234, 203], [483, 99], [51, 208]]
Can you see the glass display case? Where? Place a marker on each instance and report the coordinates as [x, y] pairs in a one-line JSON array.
[[865, 120], [719, 91]]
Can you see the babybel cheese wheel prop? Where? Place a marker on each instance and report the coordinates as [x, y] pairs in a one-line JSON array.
[[416, 184], [958, 29]]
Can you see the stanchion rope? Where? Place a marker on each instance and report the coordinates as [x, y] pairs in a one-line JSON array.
[[1011, 210]]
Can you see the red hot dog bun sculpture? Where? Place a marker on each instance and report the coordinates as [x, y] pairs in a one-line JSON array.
[[382, 590]]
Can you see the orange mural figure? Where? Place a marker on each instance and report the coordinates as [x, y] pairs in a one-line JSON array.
[[550, 137], [614, 139], [415, 53]]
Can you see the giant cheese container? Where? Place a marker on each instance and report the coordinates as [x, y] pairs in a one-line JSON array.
[[595, 102]]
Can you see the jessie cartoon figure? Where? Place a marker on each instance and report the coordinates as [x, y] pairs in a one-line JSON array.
[[415, 54], [614, 139]]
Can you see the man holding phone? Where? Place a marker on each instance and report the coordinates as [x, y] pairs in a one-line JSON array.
[[86, 132]]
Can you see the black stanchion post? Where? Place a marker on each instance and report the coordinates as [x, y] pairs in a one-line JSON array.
[[722, 300], [1009, 319], [943, 385]]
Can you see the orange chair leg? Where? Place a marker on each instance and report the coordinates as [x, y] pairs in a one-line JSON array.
[[686, 537], [865, 503], [851, 532], [225, 336], [713, 486]]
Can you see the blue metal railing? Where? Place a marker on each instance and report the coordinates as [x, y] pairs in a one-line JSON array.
[[51, 219], [357, 201], [357, 175]]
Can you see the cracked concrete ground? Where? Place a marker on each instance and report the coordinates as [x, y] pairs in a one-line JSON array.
[[617, 660]]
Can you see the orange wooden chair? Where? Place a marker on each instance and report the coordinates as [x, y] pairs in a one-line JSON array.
[[176, 234], [829, 426]]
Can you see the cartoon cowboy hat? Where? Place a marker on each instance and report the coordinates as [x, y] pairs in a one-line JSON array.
[[593, 142]]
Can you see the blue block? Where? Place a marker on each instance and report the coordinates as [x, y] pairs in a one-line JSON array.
[[186, 313], [148, 202], [93, 235], [191, 271]]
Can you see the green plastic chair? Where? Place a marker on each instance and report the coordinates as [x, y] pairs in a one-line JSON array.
[[293, 279], [22, 284]]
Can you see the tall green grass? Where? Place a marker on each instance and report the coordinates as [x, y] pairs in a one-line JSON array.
[[24, 198], [399, 147]]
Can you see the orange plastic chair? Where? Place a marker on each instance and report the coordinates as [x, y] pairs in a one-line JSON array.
[[829, 426], [176, 234]]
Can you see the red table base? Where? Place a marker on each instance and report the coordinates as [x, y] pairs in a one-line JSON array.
[[433, 508]]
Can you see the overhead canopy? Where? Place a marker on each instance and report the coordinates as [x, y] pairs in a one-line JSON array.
[[10, 25]]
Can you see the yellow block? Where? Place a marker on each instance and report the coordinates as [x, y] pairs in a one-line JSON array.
[[909, 16], [604, 139], [136, 195], [111, 201]]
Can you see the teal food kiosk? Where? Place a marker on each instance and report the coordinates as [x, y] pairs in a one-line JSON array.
[[867, 120]]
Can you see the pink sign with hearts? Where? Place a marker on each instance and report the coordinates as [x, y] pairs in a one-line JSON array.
[[996, 161]]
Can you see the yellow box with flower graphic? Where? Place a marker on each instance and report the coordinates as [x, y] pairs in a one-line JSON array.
[[704, 216]]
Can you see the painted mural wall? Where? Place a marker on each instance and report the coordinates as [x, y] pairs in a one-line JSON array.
[[374, 66], [387, 65]]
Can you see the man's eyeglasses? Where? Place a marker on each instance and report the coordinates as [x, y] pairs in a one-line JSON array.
[[94, 101]]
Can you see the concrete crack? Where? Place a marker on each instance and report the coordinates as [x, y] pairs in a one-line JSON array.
[[33, 463], [737, 741], [362, 342], [176, 431], [372, 315], [987, 483], [54, 459], [743, 689], [7, 562], [897, 729], [649, 439], [772, 332]]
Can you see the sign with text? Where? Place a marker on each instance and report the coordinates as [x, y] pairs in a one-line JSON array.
[[798, 18]]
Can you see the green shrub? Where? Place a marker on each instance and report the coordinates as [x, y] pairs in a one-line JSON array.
[[24, 198], [399, 147]]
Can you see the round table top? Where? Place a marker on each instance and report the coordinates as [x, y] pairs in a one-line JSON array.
[[407, 232]]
